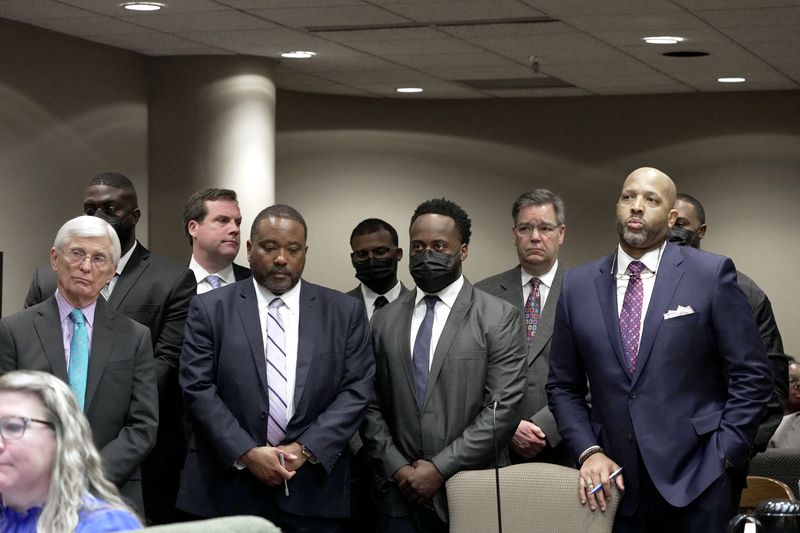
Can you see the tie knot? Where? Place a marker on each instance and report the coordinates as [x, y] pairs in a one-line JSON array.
[[430, 300], [77, 316], [380, 301], [535, 282], [275, 304], [635, 268], [215, 281]]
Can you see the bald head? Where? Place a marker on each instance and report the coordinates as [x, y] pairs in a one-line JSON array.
[[645, 210]]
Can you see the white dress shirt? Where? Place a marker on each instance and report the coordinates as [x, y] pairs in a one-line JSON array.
[[370, 296], [651, 260], [546, 281], [290, 316], [447, 297], [226, 276], [123, 261]]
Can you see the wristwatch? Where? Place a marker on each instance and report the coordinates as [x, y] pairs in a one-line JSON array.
[[309, 456]]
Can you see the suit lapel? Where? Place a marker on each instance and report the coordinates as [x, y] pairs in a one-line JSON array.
[[605, 285], [48, 329], [451, 328], [546, 322], [667, 278], [247, 307], [306, 341], [402, 336], [137, 264], [103, 336]]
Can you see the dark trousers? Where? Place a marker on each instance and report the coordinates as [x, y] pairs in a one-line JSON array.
[[708, 513], [420, 520]]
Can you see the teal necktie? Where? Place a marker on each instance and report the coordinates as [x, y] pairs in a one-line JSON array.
[[78, 357]]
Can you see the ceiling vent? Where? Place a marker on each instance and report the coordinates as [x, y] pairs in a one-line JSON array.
[[442, 24], [516, 83]]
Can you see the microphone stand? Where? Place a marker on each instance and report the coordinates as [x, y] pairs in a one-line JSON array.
[[496, 469]]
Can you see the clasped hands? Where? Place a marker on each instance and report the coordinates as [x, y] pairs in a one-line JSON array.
[[419, 481], [264, 462]]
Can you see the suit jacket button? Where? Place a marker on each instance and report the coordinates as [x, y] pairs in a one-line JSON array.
[[630, 436], [633, 395]]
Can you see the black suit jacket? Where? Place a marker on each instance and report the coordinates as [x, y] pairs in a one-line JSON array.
[[121, 398], [224, 382], [240, 272]]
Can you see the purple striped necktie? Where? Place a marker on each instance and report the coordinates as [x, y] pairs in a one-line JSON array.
[[276, 374]]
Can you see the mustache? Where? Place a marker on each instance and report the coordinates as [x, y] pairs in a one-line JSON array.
[[277, 270]]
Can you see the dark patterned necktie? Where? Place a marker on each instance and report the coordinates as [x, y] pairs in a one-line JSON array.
[[631, 315], [380, 301], [533, 310], [422, 350]]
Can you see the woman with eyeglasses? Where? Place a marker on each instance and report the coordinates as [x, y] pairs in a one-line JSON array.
[[51, 478]]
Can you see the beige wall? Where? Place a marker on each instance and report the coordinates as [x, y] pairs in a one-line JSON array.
[[340, 160], [68, 110]]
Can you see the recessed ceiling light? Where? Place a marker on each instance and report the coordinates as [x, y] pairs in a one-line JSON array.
[[298, 54], [143, 6], [409, 89], [663, 39], [733, 79]]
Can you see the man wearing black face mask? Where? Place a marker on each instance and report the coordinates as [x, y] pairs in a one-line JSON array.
[[375, 257], [689, 229], [156, 293], [445, 355]]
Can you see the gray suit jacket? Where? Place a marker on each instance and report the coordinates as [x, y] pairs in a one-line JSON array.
[[480, 357], [507, 286], [121, 397]]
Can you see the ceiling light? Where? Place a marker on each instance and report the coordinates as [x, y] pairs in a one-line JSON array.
[[298, 54], [143, 6], [409, 89], [663, 39], [731, 80]]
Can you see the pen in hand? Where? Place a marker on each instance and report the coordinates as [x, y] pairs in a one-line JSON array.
[[285, 481], [614, 475]]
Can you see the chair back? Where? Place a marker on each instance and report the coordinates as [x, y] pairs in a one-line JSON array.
[[763, 488], [778, 463], [535, 497], [228, 524]]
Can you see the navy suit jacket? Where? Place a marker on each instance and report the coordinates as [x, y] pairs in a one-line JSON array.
[[699, 388], [224, 382]]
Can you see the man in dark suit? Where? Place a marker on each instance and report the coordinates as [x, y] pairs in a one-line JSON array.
[[105, 357], [534, 286], [211, 221], [678, 374], [274, 369], [446, 355], [689, 229], [376, 254], [154, 292]]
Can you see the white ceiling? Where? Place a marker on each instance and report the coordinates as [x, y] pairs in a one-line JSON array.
[[371, 47]]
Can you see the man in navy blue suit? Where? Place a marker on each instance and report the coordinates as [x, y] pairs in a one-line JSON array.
[[276, 374], [678, 374]]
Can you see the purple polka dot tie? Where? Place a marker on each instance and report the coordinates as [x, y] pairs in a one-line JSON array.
[[631, 315], [533, 309]]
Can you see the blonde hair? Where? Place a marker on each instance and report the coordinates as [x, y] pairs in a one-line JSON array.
[[77, 467]]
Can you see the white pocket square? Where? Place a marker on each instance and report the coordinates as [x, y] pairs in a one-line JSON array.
[[680, 311]]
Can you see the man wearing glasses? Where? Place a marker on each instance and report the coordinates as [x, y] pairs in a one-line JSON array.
[[105, 357], [534, 286], [375, 257]]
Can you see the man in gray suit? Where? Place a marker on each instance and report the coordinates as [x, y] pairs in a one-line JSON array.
[[376, 253], [446, 356], [105, 357], [534, 286]]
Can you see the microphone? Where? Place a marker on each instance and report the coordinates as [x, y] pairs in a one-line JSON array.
[[494, 403]]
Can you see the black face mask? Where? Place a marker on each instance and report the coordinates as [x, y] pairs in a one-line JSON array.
[[684, 237], [377, 273], [433, 271], [123, 231]]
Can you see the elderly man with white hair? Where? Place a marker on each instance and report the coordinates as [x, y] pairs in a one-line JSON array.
[[105, 357]]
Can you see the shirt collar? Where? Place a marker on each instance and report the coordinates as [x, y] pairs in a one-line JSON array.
[[370, 296], [201, 273], [125, 258], [546, 279], [65, 308], [650, 259], [447, 295], [291, 298]]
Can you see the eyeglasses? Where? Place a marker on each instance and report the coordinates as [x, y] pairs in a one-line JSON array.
[[13, 427], [78, 255], [545, 230], [380, 252], [794, 383]]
